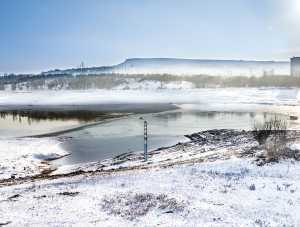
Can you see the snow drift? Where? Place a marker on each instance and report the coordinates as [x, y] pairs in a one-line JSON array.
[[27, 156]]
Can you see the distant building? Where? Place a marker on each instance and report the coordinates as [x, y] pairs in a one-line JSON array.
[[295, 66]]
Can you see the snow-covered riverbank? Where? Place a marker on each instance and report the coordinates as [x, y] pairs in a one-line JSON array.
[[31, 154], [233, 192], [27, 156], [213, 180]]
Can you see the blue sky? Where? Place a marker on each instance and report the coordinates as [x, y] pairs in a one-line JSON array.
[[37, 35]]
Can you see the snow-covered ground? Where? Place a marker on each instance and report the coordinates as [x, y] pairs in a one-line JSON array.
[[213, 180], [27, 156], [233, 192]]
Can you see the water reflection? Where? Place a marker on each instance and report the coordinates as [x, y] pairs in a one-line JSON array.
[[35, 116], [209, 114], [18, 123]]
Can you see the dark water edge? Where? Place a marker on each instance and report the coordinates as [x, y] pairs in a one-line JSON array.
[[80, 113], [86, 125], [53, 120], [59, 110]]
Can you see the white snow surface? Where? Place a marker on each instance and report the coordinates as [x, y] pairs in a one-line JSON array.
[[25, 156], [219, 96], [295, 146], [233, 192]]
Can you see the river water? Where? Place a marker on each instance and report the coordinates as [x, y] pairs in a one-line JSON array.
[[165, 127]]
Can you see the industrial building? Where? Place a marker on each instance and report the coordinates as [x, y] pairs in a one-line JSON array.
[[295, 66]]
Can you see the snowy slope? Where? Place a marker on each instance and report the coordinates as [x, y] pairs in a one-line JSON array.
[[234, 192], [213, 180]]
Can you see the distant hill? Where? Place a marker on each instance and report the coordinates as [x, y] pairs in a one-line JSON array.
[[176, 66]]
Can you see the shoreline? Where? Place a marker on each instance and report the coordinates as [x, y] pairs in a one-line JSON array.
[[79, 127], [40, 161], [202, 181], [104, 108], [205, 146]]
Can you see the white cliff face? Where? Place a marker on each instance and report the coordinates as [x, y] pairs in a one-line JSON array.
[[204, 67], [189, 67]]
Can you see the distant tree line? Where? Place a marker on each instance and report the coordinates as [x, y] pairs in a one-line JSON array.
[[108, 81]]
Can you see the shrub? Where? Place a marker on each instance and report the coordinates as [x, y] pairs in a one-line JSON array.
[[133, 205], [273, 126], [272, 134]]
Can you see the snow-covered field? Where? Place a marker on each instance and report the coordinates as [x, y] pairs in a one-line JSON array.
[[224, 96], [233, 192]]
